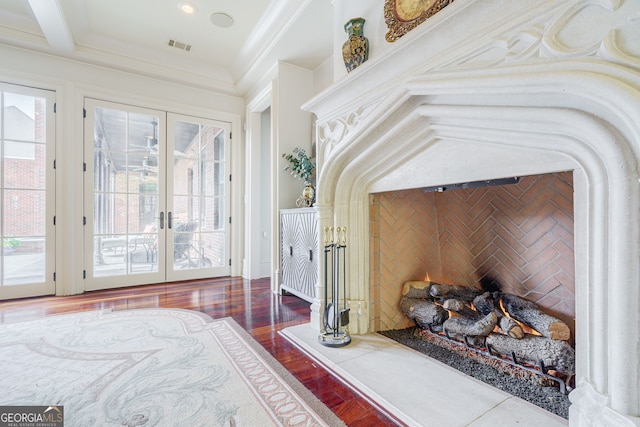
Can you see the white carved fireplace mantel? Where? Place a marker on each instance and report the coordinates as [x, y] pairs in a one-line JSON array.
[[492, 89]]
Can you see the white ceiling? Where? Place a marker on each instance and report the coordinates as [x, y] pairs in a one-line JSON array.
[[133, 35]]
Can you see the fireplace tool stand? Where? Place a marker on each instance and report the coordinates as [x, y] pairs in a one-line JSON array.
[[335, 314]]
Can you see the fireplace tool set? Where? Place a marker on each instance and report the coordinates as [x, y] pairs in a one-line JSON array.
[[335, 314]]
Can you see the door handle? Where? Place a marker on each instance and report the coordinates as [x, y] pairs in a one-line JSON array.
[[290, 250], [161, 218], [310, 254], [169, 220]]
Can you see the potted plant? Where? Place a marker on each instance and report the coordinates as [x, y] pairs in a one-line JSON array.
[[301, 167]]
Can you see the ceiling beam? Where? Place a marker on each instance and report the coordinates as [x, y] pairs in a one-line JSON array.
[[52, 22]]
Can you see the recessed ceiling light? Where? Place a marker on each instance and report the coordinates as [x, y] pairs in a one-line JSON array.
[[221, 19], [187, 7]]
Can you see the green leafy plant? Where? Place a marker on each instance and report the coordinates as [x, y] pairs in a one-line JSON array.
[[10, 242], [300, 164]]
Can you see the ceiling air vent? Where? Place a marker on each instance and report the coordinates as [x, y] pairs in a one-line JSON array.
[[179, 45]]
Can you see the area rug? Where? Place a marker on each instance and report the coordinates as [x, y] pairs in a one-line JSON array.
[[151, 367]]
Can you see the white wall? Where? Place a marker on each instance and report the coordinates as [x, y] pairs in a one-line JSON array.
[[291, 128], [323, 76], [73, 81]]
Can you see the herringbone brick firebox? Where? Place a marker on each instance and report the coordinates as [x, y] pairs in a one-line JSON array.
[[519, 235]]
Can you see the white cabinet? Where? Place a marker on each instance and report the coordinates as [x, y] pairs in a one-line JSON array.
[[299, 251]]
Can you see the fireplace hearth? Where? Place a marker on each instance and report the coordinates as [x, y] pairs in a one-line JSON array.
[[493, 89]]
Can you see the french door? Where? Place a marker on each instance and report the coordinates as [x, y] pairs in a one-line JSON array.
[[27, 192], [198, 203], [156, 196]]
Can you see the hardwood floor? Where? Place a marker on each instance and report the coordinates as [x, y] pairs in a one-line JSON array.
[[251, 304]]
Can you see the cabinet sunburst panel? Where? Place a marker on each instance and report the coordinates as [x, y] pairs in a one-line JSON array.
[[299, 252]]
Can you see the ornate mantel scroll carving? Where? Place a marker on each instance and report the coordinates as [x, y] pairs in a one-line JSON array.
[[606, 29], [332, 132]]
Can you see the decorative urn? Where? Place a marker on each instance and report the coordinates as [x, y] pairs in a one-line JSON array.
[[355, 50]]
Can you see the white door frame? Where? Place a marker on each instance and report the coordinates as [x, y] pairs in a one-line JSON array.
[[256, 159]]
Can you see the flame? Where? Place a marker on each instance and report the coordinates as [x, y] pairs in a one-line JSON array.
[[426, 277], [525, 328], [504, 310]]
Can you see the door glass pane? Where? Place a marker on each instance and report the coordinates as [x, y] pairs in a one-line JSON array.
[[125, 168], [23, 170], [198, 189], [24, 118]]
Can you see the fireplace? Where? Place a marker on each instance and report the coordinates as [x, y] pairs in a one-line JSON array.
[[518, 235], [488, 90], [510, 237]]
